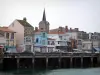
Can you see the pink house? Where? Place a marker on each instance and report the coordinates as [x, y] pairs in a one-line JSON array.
[[24, 33]]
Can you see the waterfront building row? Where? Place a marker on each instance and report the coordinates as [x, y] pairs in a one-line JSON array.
[[21, 35]]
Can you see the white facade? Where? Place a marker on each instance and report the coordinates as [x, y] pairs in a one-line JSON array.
[[60, 39], [2, 41], [71, 35], [51, 45], [86, 45], [28, 42], [96, 43]]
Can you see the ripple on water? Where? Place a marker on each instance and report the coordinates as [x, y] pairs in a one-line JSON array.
[[87, 71]]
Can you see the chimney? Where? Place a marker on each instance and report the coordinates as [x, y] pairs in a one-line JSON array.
[[76, 29], [36, 29], [24, 19], [71, 29], [60, 29], [66, 28]]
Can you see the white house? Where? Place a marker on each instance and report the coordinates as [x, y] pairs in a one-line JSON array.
[[60, 40], [51, 45], [86, 45]]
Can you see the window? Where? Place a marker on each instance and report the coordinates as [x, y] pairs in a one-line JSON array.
[[48, 42], [12, 35], [28, 39], [43, 42], [52, 43], [7, 42], [44, 35], [50, 49], [7, 35], [12, 43], [28, 47], [37, 40], [60, 37], [83, 45], [79, 42], [58, 42]]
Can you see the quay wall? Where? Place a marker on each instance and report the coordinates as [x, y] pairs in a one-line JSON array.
[[49, 61]]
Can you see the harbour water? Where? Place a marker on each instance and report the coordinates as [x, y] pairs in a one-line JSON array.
[[84, 71]]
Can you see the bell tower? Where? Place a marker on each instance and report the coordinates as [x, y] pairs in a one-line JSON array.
[[44, 25]]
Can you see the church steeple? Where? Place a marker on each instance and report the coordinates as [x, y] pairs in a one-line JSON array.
[[44, 16], [44, 24]]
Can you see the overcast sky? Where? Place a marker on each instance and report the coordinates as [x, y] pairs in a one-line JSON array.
[[84, 14]]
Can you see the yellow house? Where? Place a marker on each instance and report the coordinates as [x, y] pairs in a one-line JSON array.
[[9, 36]]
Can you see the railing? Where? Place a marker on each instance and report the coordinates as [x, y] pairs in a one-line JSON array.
[[18, 55]]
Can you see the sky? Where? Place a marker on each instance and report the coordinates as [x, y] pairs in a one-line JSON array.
[[82, 14]]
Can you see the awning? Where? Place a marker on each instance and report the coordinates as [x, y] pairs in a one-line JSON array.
[[97, 48], [1, 46]]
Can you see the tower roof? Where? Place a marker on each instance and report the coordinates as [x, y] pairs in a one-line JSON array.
[[44, 16]]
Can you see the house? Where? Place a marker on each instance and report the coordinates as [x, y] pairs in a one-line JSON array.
[[24, 34], [60, 40], [7, 39], [51, 45], [87, 45], [40, 41]]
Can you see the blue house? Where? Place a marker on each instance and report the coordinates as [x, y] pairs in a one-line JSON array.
[[40, 41]]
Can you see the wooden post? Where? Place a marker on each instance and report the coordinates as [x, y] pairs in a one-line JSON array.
[[59, 62], [33, 62], [71, 61], [91, 61], [98, 60], [81, 61], [46, 62], [18, 62], [1, 63]]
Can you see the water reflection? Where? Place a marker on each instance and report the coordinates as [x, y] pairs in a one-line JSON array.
[[88, 71]]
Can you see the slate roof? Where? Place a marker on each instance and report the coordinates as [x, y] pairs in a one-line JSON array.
[[24, 23]]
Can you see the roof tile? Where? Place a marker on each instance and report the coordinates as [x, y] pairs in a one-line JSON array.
[[5, 29]]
